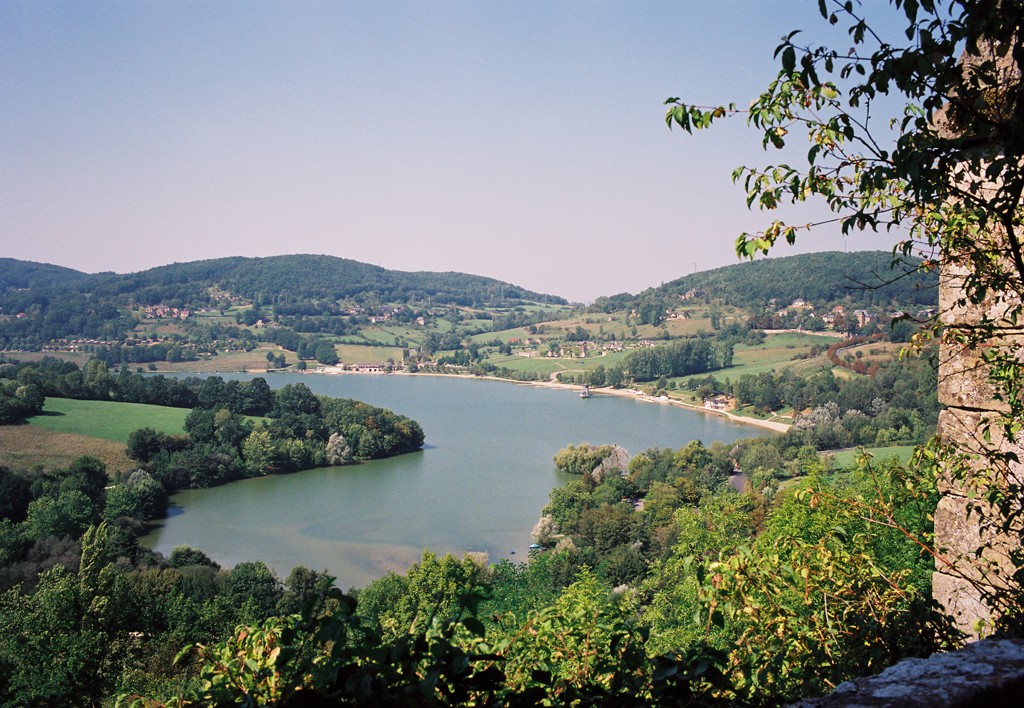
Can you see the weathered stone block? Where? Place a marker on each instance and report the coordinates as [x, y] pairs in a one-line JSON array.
[[988, 673], [972, 546], [964, 379], [966, 428], [954, 306], [961, 600]]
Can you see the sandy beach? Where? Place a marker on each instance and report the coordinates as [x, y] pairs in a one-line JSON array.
[[665, 401]]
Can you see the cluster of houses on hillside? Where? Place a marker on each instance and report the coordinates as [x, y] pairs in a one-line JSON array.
[[836, 318], [162, 312]]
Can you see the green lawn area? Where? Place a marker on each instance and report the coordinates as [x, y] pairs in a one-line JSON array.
[[777, 350], [535, 364], [504, 335], [546, 365], [848, 458], [108, 420], [356, 354]]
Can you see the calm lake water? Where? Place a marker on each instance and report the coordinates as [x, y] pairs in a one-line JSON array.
[[479, 484]]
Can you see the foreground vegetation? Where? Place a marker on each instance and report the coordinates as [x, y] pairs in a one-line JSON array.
[[655, 584]]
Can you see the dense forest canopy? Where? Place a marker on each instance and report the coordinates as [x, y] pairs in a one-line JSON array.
[[304, 277], [15, 274], [868, 278]]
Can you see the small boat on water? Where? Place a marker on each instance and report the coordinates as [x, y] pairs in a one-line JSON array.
[[585, 392]]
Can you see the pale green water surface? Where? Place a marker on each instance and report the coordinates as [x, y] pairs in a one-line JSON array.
[[479, 484]]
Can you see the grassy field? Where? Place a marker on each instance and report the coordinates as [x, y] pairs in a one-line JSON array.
[[256, 360], [355, 354], [107, 420], [80, 358], [26, 447], [520, 333], [874, 352], [848, 458], [384, 335], [778, 350], [547, 365]]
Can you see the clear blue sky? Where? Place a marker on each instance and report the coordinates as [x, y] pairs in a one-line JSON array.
[[519, 140]]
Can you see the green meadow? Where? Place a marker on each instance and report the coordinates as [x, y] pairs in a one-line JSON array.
[[846, 459], [108, 420]]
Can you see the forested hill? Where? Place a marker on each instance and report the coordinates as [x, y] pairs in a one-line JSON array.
[[293, 278], [864, 278], [16, 275]]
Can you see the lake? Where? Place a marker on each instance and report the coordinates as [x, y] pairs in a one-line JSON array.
[[478, 485]]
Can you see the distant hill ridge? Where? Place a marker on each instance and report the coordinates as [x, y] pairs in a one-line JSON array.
[[866, 277], [15, 274], [301, 277]]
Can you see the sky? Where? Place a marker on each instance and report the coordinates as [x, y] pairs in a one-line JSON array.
[[523, 141]]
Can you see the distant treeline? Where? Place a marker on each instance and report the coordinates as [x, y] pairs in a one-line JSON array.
[[679, 358], [302, 284], [684, 357]]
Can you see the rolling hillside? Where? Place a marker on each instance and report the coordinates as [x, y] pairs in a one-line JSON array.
[[865, 278]]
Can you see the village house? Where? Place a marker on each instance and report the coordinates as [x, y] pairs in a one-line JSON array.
[[717, 403]]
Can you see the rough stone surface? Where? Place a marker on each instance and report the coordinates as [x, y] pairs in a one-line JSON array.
[[988, 673], [967, 428], [960, 599], [973, 554]]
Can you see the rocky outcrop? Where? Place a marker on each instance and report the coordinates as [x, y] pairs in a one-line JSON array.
[[988, 673]]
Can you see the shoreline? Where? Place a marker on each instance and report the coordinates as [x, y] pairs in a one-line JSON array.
[[647, 398], [631, 393]]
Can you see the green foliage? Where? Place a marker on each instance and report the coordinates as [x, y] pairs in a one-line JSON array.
[[581, 459], [141, 497], [19, 401], [433, 589], [144, 443], [583, 648], [857, 279], [678, 358], [184, 556], [15, 495], [47, 652]]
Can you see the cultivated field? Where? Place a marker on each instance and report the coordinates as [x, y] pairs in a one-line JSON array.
[[778, 351], [256, 360], [28, 446]]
